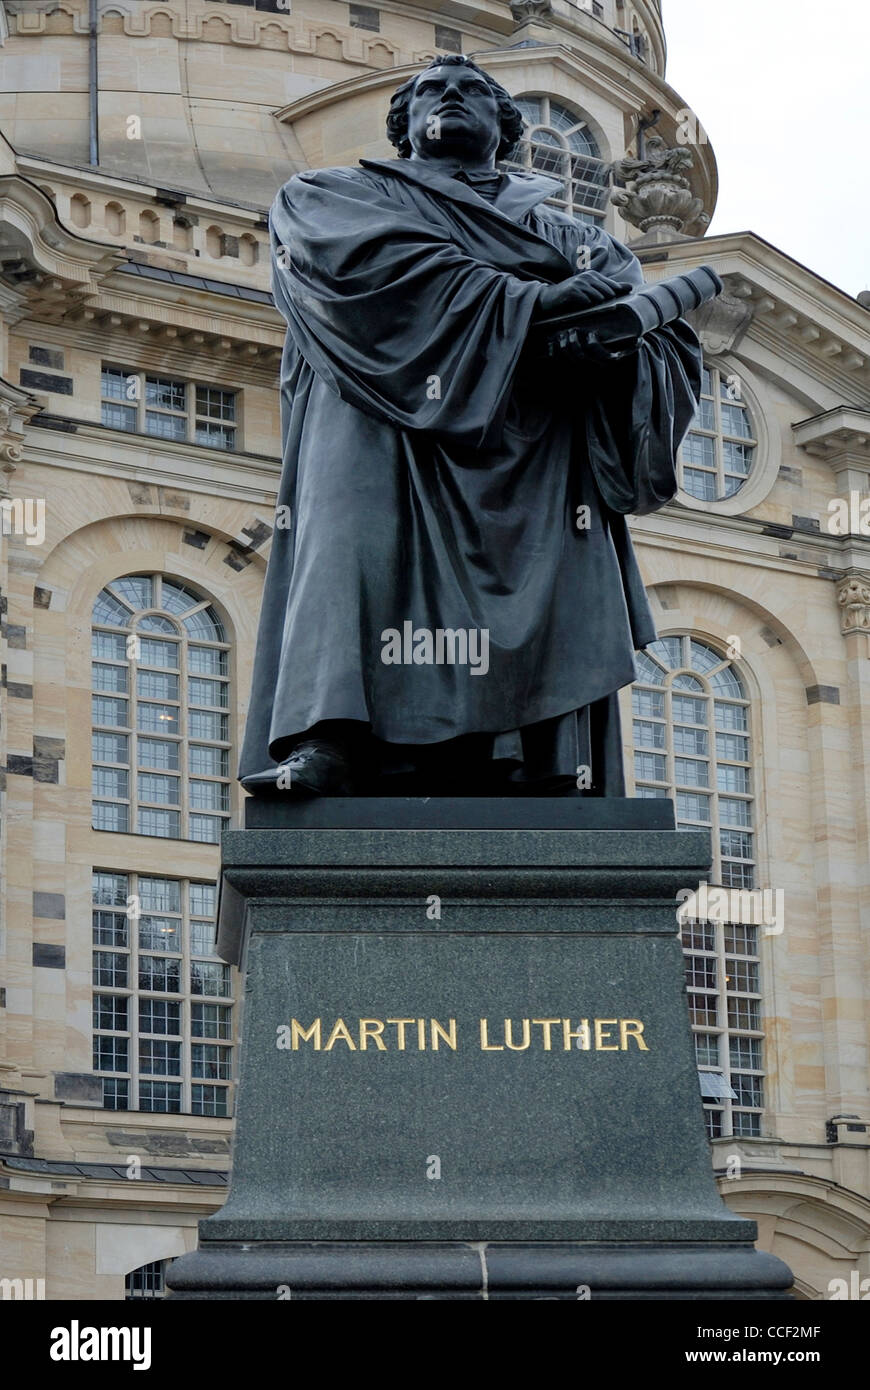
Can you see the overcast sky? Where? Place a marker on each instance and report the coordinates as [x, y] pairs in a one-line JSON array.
[[782, 88]]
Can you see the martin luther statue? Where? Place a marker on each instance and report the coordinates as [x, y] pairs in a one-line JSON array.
[[452, 601]]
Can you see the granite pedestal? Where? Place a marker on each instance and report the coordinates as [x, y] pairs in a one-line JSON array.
[[466, 1064]]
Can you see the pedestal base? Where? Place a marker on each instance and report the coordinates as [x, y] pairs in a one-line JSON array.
[[467, 1068], [482, 1271]]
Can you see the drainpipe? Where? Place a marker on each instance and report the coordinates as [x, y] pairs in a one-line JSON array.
[[93, 128]]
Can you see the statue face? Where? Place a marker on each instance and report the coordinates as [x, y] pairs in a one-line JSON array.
[[453, 114]]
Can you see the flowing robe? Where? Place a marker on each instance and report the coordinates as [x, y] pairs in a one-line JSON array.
[[434, 464]]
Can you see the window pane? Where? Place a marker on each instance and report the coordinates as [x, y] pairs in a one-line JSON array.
[[153, 787], [110, 748], [689, 710], [110, 815], [161, 1097], [706, 1049], [206, 692], [111, 645], [737, 844], [209, 1060], [741, 938], [732, 779], [110, 889], [110, 969], [111, 1054], [648, 671], [108, 677], [160, 933], [205, 624], [218, 404], [689, 772], [735, 746], [202, 724], [164, 824], [213, 436], [692, 806], [211, 1021], [157, 719], [106, 710], [109, 781], [731, 716], [203, 899], [202, 938], [118, 417], [115, 1094], [158, 753], [107, 609], [165, 393], [160, 1058], [652, 767], [648, 702], [166, 426], [690, 740], [154, 652], [206, 829], [649, 735], [210, 796], [163, 975], [211, 762], [209, 979], [159, 1016], [157, 685], [207, 661], [209, 1100], [110, 1012], [160, 894]]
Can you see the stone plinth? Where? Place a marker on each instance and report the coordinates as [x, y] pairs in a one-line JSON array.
[[396, 1135]]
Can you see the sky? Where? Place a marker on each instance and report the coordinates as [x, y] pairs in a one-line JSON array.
[[782, 89]]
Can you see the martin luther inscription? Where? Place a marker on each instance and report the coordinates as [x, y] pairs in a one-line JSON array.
[[428, 1034]]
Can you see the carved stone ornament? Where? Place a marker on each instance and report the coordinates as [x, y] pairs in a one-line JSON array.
[[721, 323], [523, 10], [656, 192], [16, 408], [853, 596]]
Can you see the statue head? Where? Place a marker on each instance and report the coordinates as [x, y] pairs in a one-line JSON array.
[[454, 109]]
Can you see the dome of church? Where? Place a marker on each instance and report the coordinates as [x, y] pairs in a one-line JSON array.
[[224, 99]]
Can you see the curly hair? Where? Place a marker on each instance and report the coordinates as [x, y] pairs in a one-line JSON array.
[[509, 114]]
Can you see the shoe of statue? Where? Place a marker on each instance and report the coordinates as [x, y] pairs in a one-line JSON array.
[[314, 768]]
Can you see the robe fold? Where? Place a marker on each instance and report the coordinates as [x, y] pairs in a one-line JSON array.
[[440, 470]]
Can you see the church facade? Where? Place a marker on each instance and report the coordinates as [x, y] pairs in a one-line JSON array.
[[139, 446]]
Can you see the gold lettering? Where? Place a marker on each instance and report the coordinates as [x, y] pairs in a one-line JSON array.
[[341, 1033], [601, 1046], [631, 1027], [437, 1032], [371, 1028], [401, 1024], [509, 1032], [485, 1044], [582, 1033], [421, 1035], [546, 1025], [298, 1033]]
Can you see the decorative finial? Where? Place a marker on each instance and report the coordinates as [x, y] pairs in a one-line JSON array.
[[656, 192]]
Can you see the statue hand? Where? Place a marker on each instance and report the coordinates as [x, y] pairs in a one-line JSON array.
[[581, 291]]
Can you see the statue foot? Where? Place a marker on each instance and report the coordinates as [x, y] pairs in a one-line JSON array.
[[314, 768]]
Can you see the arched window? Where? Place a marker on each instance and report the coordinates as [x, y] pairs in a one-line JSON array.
[[559, 142], [718, 452], [691, 740], [160, 710]]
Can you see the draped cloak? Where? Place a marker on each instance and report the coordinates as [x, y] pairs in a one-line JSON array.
[[434, 462]]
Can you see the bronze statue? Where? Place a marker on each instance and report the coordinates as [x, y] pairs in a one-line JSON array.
[[452, 600]]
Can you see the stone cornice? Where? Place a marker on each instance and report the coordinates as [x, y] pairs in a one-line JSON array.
[[838, 434], [798, 312], [44, 261]]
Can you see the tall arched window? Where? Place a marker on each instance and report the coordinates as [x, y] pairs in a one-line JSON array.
[[691, 741], [160, 710], [717, 455], [558, 142]]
